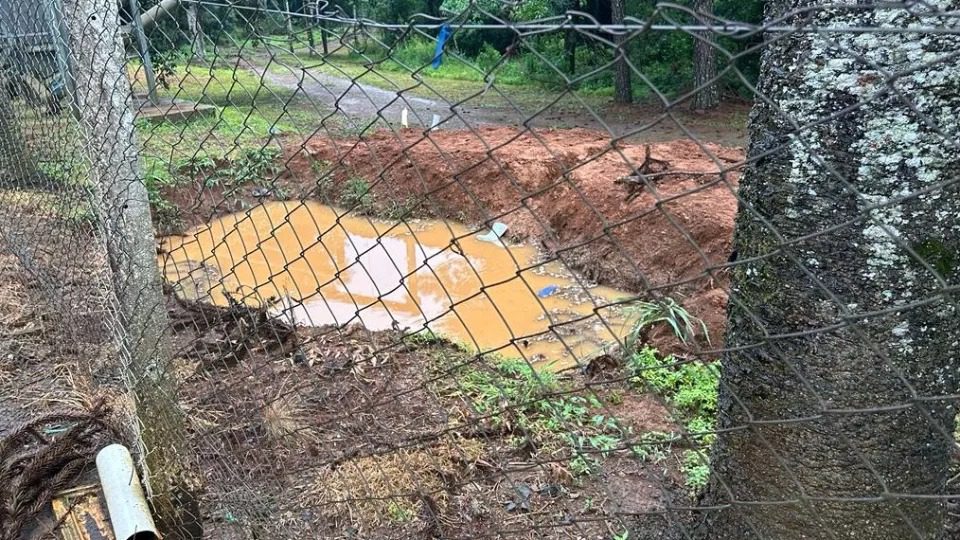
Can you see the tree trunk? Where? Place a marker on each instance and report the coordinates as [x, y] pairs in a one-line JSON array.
[[122, 207], [704, 64], [323, 38], [261, 18], [622, 87], [310, 10], [832, 436], [570, 47], [196, 32], [288, 19], [570, 40]]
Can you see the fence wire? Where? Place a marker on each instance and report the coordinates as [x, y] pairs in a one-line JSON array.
[[487, 269]]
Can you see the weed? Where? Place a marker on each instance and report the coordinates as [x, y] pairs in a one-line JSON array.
[[624, 535], [582, 465], [691, 388], [398, 210], [158, 176], [285, 420], [253, 166], [653, 446], [320, 167], [667, 311], [356, 194], [695, 466], [425, 337], [196, 164], [324, 173], [399, 512], [537, 405]]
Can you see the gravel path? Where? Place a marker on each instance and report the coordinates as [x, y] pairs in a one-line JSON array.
[[362, 103]]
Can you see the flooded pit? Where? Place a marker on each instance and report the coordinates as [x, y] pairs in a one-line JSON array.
[[317, 267]]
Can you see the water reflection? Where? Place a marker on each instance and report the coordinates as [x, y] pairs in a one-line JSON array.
[[322, 268]]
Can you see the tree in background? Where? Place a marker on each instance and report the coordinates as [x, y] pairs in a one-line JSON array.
[[831, 402], [704, 62], [622, 87], [196, 31]]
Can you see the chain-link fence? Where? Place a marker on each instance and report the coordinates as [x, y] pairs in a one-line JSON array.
[[465, 269]]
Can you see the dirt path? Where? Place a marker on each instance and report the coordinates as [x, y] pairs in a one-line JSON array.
[[361, 103]]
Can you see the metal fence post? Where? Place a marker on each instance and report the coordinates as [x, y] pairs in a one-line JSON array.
[[143, 47], [104, 96]]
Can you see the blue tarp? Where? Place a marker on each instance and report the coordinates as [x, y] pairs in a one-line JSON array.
[[442, 37]]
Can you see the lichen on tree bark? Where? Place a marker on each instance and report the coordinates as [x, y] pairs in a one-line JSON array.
[[844, 337]]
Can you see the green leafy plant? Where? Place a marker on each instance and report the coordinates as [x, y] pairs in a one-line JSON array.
[[196, 164], [667, 311], [356, 193], [542, 411], [165, 66], [254, 165], [582, 465], [695, 466], [691, 388], [399, 512]]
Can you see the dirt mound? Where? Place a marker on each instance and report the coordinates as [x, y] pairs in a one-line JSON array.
[[560, 189]]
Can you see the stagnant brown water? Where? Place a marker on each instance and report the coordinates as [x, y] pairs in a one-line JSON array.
[[317, 267]]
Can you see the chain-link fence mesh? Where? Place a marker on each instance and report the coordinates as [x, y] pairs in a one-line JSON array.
[[547, 269]]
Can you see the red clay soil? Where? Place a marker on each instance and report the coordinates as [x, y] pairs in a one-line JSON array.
[[558, 188]]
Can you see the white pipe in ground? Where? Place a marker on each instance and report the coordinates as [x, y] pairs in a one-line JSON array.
[[129, 513]]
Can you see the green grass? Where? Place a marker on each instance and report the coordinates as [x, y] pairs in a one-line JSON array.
[[249, 108], [250, 112], [691, 389], [540, 412], [233, 146], [356, 195], [73, 209], [407, 68]]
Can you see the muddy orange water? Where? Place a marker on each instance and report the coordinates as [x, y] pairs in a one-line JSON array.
[[315, 266]]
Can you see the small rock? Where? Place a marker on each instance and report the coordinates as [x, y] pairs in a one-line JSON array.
[[551, 490]]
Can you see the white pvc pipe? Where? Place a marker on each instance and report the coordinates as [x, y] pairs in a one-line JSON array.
[[150, 16], [129, 513]]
